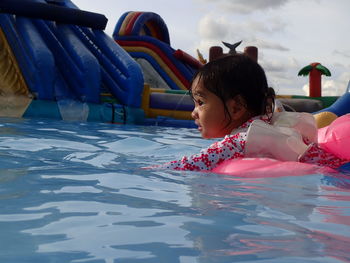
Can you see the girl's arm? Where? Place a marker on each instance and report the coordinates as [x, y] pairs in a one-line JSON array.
[[232, 146]]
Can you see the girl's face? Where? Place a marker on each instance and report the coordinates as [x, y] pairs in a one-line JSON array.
[[209, 112]]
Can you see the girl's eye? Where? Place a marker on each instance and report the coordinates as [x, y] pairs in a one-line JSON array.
[[199, 102]]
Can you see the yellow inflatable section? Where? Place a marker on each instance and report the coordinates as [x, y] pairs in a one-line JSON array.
[[14, 94], [325, 118]]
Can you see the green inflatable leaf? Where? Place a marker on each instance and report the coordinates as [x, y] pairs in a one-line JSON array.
[[323, 70], [305, 70]]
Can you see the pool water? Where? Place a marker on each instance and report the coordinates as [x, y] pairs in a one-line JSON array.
[[75, 192]]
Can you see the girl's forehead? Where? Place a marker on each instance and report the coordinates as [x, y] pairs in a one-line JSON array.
[[198, 89], [197, 84]]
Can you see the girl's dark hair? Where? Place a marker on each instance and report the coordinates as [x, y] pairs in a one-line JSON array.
[[238, 74]]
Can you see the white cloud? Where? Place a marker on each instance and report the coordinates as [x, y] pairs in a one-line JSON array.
[[272, 65], [213, 28], [306, 89], [263, 26], [264, 44], [330, 87], [342, 53], [293, 62], [244, 6]]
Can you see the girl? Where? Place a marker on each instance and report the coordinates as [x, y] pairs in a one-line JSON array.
[[231, 94]]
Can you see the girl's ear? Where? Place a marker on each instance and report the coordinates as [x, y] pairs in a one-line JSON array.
[[237, 107]]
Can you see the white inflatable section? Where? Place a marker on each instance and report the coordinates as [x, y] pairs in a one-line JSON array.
[[151, 76]]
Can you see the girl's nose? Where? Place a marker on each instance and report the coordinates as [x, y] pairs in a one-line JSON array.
[[194, 114]]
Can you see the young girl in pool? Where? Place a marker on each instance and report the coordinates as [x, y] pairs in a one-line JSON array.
[[232, 100]]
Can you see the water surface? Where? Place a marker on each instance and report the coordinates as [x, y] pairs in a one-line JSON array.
[[74, 192]]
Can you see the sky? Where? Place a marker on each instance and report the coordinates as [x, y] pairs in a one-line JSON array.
[[289, 34]]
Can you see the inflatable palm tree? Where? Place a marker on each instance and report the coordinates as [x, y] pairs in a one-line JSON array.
[[315, 71]]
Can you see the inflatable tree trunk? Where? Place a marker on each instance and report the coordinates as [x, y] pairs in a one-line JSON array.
[[315, 71]]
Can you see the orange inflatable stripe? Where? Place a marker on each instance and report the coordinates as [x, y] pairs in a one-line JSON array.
[[182, 55], [159, 60], [160, 54], [122, 30], [131, 23]]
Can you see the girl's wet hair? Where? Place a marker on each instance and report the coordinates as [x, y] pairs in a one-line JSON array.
[[234, 75]]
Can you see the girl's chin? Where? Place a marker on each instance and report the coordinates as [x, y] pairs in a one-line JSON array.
[[205, 136], [211, 136], [202, 133]]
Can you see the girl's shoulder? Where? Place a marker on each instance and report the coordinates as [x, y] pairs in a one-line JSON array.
[[244, 127]]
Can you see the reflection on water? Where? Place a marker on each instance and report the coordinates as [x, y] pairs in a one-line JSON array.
[[74, 192]]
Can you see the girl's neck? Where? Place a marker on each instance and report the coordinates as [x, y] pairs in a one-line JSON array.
[[245, 117]]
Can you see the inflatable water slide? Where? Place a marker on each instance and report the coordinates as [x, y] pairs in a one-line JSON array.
[[62, 63], [167, 71], [57, 62]]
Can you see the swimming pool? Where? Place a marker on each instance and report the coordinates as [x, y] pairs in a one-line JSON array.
[[74, 192]]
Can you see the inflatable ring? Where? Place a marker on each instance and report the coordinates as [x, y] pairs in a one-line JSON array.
[[332, 139]]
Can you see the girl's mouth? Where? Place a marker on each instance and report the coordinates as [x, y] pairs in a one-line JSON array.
[[199, 126]]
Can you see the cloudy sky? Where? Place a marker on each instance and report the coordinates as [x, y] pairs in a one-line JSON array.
[[289, 34]]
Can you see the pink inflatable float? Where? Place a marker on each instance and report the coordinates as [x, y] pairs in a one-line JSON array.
[[334, 138], [265, 167]]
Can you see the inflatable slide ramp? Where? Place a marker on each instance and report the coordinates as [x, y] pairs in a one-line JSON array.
[[61, 53]]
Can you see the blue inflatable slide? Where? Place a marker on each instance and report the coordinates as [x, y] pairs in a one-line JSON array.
[[64, 60]]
